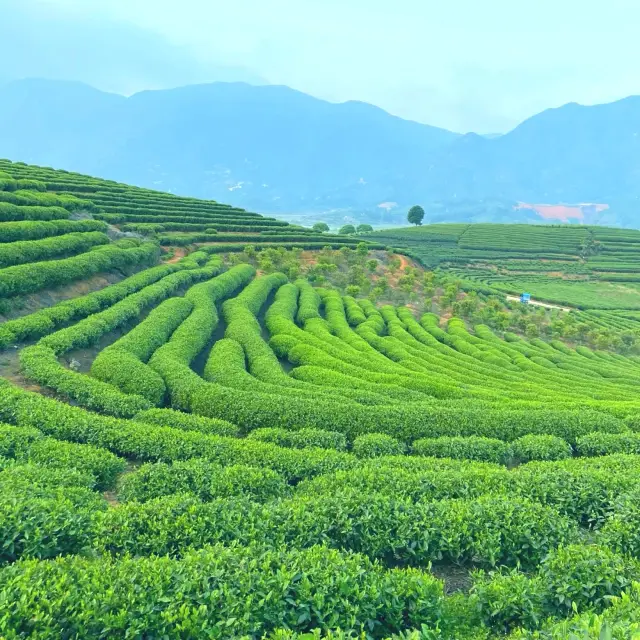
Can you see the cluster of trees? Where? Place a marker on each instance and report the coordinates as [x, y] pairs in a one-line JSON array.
[[345, 230]]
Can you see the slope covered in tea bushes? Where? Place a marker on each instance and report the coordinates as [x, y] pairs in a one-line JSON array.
[[208, 447]]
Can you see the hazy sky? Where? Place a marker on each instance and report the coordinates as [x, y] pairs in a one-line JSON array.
[[480, 65]]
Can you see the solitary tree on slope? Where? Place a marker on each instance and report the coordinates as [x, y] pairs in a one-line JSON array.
[[415, 215]]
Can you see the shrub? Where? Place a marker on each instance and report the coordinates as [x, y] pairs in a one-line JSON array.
[[204, 479], [101, 464], [70, 244], [603, 444], [584, 577], [301, 439], [622, 529], [215, 593], [37, 324], [187, 422], [541, 447], [15, 442], [469, 448], [147, 442], [43, 523], [509, 600], [28, 278], [35, 230], [374, 445]]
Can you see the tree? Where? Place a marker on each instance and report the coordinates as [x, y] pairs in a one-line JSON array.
[[364, 228], [320, 227], [347, 230], [415, 215], [352, 290]]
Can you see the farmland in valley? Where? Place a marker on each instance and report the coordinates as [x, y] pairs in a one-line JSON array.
[[217, 425]]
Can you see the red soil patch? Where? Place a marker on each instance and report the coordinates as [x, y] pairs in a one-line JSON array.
[[178, 254]]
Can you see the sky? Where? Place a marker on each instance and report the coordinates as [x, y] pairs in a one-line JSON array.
[[466, 65]]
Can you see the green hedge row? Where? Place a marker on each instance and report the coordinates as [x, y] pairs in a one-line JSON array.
[[226, 223], [584, 489], [254, 239], [406, 423], [218, 592], [572, 579], [471, 448], [122, 364], [204, 479], [302, 439], [28, 278], [146, 442], [36, 230], [40, 362], [172, 360], [40, 323], [482, 449], [39, 199], [22, 184], [70, 244], [487, 531], [170, 208], [187, 422], [13, 213], [307, 246]]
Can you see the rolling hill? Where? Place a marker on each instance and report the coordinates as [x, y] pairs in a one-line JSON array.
[[236, 437]]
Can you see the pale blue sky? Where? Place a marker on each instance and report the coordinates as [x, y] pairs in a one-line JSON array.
[[479, 65]]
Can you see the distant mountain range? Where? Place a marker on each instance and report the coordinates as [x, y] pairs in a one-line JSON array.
[[276, 150]]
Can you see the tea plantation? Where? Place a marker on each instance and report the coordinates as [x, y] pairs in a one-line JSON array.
[[194, 447]]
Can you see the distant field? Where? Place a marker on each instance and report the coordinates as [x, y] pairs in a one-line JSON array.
[[580, 266]]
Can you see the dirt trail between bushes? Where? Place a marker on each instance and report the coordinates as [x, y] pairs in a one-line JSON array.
[[537, 303], [178, 254]]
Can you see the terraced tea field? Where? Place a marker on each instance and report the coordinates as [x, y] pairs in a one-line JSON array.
[[240, 454]]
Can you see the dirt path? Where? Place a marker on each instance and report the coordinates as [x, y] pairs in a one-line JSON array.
[[403, 262], [178, 254], [537, 303]]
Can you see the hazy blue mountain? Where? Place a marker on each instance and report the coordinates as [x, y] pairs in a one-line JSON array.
[[274, 149], [265, 147]]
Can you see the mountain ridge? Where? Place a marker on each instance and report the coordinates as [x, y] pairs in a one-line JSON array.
[[279, 150]]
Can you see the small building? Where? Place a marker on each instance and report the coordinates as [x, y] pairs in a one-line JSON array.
[[525, 297]]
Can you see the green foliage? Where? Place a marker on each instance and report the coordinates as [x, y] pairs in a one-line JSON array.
[[470, 448], [215, 592], [572, 579], [601, 444], [27, 278], [347, 230], [541, 447], [65, 245], [584, 577], [35, 230], [15, 442], [302, 439], [415, 215], [203, 479], [187, 422], [374, 445], [320, 227], [44, 523]]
